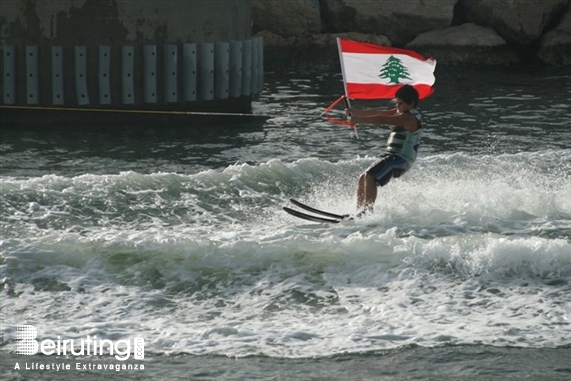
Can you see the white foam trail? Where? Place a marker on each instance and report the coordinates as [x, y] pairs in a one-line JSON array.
[[463, 249]]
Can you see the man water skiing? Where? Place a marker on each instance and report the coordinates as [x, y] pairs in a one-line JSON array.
[[405, 122]]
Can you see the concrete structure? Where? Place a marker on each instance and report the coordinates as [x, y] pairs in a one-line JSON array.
[[120, 54]]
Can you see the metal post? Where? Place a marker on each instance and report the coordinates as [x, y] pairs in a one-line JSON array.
[[221, 72], [150, 73], [189, 71], [127, 74], [32, 79], [9, 87], [81, 92], [57, 76], [260, 62], [247, 67], [207, 71], [171, 57], [235, 75], [104, 75]]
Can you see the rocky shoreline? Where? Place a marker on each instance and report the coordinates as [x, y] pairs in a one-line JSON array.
[[489, 32]]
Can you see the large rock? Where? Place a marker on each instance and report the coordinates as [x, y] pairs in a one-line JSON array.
[[319, 41], [401, 21], [556, 44], [468, 43], [519, 21], [318, 50], [329, 40], [292, 18]]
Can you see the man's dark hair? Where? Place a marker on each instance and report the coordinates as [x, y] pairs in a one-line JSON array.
[[408, 94]]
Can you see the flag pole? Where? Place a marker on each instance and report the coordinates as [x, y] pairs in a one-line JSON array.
[[347, 101]]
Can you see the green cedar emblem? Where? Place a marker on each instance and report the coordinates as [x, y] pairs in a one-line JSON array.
[[394, 70]]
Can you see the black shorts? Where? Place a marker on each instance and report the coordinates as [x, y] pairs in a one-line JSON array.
[[387, 167]]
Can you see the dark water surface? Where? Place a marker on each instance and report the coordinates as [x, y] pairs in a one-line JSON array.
[[176, 235]]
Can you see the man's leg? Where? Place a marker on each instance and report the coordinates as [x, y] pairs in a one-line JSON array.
[[378, 174], [370, 192], [366, 192], [361, 192]]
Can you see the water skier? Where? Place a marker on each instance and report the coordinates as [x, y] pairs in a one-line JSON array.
[[405, 122]]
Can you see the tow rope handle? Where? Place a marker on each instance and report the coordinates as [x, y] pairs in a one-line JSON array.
[[339, 121]]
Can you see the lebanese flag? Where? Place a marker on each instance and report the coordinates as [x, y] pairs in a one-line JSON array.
[[377, 72]]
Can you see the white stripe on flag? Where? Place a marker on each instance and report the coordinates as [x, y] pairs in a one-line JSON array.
[[366, 68]]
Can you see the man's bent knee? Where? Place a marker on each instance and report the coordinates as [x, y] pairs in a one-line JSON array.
[[369, 178]]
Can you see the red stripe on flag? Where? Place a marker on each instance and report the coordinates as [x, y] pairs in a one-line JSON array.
[[349, 46], [376, 91]]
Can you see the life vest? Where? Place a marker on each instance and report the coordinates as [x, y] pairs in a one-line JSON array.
[[405, 143]]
